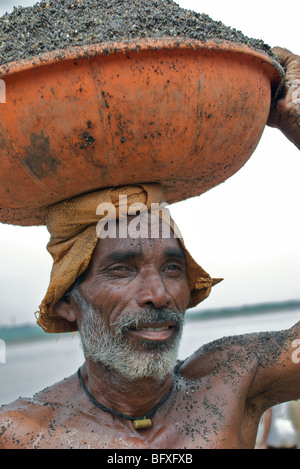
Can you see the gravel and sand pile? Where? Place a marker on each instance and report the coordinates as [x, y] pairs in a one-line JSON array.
[[60, 24]]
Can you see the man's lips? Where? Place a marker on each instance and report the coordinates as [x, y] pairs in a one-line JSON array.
[[153, 331]]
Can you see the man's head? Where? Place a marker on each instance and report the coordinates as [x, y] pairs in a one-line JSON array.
[[129, 307], [74, 228]]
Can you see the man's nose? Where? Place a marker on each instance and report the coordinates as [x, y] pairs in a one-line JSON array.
[[153, 292]]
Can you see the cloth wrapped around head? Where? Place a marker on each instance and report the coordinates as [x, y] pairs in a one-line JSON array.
[[72, 226]]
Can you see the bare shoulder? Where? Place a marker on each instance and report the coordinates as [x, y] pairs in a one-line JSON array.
[[243, 353], [261, 363], [24, 421], [20, 422]]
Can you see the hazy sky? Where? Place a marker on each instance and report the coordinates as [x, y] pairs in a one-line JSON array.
[[245, 230]]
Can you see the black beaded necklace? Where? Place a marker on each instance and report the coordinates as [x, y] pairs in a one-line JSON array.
[[138, 423]]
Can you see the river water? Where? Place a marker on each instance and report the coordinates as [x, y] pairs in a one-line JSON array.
[[33, 366]]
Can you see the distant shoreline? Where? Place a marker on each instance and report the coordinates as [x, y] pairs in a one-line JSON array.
[[260, 308], [31, 332]]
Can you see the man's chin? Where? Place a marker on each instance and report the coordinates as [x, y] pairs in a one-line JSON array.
[[136, 347], [153, 360]]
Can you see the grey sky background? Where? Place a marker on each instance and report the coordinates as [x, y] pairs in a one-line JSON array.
[[246, 230]]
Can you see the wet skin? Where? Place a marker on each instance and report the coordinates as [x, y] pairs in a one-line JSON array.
[[220, 392]]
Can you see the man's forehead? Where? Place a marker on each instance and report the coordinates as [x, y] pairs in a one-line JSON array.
[[125, 247]]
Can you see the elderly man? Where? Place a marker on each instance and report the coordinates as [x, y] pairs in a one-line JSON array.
[[127, 296]]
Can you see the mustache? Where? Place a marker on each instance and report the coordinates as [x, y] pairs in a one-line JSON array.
[[133, 320]]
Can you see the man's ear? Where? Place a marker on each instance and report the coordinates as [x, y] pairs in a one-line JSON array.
[[67, 309]]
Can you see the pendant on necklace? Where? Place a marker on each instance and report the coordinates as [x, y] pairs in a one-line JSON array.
[[141, 424]]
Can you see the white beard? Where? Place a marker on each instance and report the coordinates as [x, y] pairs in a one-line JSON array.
[[114, 351]]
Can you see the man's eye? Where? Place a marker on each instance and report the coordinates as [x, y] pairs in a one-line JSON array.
[[119, 268], [174, 268]]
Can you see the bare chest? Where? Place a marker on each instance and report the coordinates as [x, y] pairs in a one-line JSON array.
[[195, 417]]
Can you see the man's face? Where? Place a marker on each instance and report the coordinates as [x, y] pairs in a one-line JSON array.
[[133, 299]]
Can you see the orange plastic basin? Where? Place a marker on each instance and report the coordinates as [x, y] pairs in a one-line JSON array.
[[182, 113]]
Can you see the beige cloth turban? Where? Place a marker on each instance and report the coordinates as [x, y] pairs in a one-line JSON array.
[[72, 226]]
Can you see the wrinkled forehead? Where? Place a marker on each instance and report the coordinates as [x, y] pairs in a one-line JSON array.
[[141, 236]]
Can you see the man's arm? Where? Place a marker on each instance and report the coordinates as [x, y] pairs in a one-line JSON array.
[[277, 378], [285, 116], [267, 364]]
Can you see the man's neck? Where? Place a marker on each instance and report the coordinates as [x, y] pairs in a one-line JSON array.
[[133, 398]]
